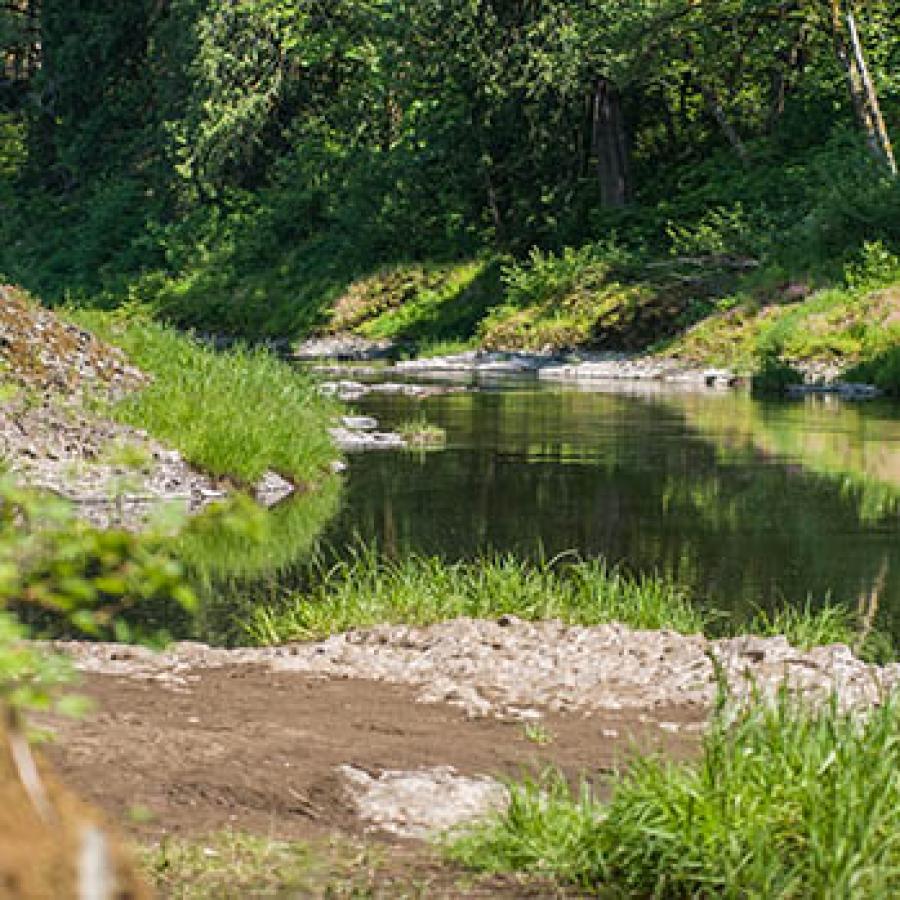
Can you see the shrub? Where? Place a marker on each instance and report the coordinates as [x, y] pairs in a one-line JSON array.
[[773, 375]]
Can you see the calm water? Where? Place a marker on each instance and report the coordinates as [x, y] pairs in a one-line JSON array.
[[750, 503]]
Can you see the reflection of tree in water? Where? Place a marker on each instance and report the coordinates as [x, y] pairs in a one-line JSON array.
[[627, 479]]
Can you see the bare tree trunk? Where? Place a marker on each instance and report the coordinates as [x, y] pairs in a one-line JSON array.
[[715, 107], [856, 86], [877, 120], [610, 145]]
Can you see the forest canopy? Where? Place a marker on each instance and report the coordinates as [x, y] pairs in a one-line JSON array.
[[151, 132]]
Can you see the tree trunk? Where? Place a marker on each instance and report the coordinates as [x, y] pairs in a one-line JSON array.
[[877, 121], [864, 111], [610, 145], [711, 98]]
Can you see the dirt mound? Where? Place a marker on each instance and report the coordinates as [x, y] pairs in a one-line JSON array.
[[68, 851], [42, 352]]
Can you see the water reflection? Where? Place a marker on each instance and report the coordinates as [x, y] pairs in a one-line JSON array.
[[750, 503]]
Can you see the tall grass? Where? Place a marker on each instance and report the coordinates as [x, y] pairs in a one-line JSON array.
[[367, 589], [420, 590], [806, 626], [786, 801], [235, 414]]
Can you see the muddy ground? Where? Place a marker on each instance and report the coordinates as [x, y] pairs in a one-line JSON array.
[[384, 735], [248, 748]]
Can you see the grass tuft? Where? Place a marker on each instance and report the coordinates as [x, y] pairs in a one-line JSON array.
[[366, 590], [235, 414], [806, 626], [786, 801]]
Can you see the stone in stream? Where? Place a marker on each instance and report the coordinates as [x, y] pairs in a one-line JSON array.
[[359, 423], [354, 441]]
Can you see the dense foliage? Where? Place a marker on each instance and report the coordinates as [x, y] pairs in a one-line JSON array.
[[241, 162], [66, 577]]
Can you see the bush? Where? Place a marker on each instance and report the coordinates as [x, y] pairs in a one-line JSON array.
[[883, 371], [773, 375]]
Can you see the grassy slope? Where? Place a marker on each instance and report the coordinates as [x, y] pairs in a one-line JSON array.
[[708, 314], [235, 415]]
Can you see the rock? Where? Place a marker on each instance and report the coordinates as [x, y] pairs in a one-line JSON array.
[[357, 441], [272, 489], [493, 669], [359, 423], [478, 362], [113, 474], [355, 390], [845, 390], [422, 803], [719, 378], [44, 353], [343, 347]]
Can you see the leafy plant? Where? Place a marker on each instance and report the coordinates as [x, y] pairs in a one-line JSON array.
[[86, 581]]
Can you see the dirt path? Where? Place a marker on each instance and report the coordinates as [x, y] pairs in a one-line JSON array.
[[246, 747]]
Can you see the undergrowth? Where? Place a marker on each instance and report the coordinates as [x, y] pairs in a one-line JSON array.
[[785, 801]]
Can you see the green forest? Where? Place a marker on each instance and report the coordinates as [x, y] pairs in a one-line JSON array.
[[518, 173]]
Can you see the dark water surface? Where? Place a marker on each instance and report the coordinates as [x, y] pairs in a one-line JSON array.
[[750, 503]]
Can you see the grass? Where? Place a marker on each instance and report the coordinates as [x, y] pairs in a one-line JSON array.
[[422, 305], [785, 801], [235, 414], [423, 590], [232, 865], [806, 627], [228, 865], [843, 325]]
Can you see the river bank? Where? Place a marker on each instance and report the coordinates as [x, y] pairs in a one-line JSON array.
[[141, 417], [383, 738], [345, 369]]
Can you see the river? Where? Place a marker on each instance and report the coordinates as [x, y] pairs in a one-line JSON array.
[[752, 504]]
